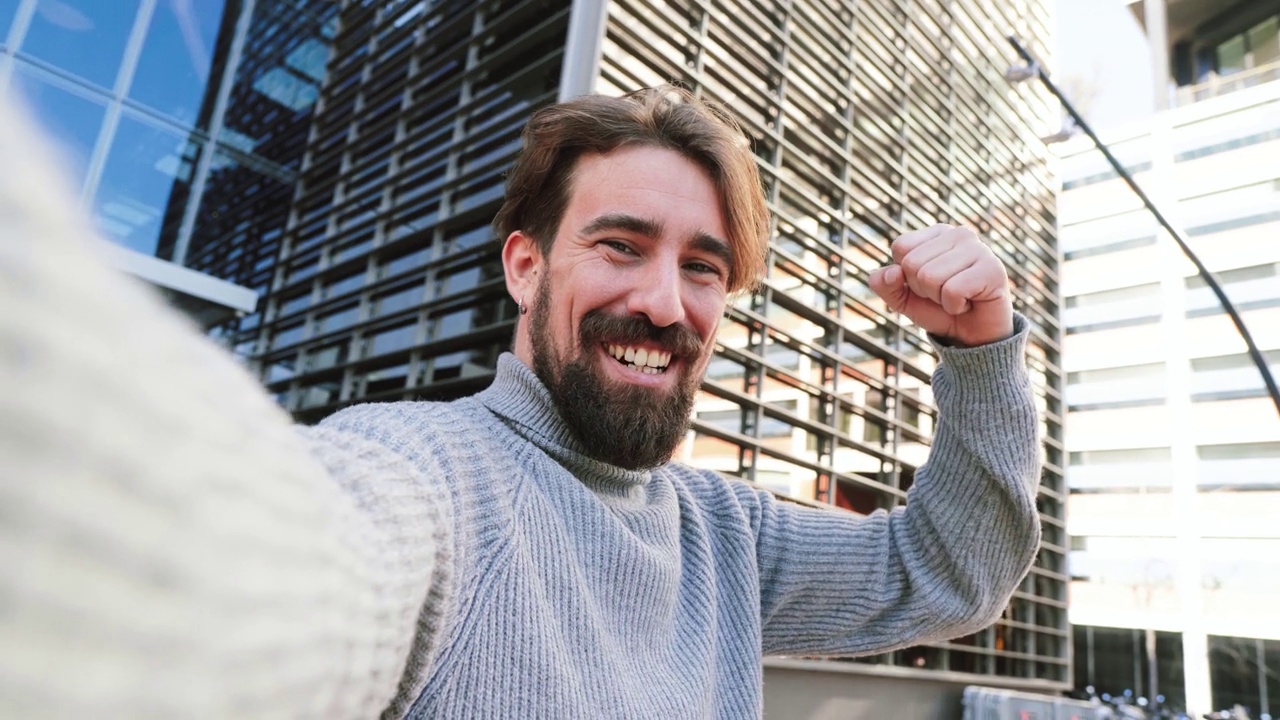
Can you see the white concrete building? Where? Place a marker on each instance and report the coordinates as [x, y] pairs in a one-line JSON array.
[[1174, 444]]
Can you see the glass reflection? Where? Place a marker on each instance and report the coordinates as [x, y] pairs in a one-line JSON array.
[[145, 185], [8, 10], [176, 71], [70, 119], [84, 37]]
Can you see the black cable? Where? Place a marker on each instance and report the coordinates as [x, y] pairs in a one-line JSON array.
[[1258, 359]]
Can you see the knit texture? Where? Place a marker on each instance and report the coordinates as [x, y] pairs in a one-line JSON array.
[[171, 547], [584, 590]]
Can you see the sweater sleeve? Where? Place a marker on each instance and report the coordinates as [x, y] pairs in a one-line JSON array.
[[944, 565], [172, 545]]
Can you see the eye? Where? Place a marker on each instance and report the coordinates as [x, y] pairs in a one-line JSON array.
[[703, 268], [618, 246]]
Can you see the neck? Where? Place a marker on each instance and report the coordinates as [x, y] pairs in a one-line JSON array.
[[523, 402]]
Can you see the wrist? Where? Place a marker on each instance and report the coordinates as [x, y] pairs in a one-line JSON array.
[[979, 339]]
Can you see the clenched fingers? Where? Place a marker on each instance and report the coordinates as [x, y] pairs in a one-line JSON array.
[[912, 240]]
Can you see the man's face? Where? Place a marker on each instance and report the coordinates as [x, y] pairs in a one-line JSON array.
[[623, 322]]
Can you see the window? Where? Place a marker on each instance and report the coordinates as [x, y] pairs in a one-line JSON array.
[[72, 120], [1264, 41], [384, 379], [1227, 277], [1229, 377], [398, 300], [8, 8], [144, 185], [341, 286], [338, 319], [176, 65], [773, 427], [1239, 451], [1110, 457], [1229, 56], [281, 371], [392, 340], [321, 394], [1129, 372], [1231, 362], [461, 280], [453, 324], [287, 336], [1106, 297], [294, 304], [84, 37], [1120, 246], [406, 262], [727, 420], [327, 357], [1255, 47]]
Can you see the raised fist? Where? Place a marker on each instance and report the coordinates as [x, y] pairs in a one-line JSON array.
[[948, 282]]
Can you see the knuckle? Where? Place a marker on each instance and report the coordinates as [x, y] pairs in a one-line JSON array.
[[990, 263], [930, 278], [952, 299]]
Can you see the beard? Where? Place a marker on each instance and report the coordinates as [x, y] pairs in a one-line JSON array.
[[629, 426]]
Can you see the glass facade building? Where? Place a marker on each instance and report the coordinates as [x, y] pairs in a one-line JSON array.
[[182, 123], [351, 159]]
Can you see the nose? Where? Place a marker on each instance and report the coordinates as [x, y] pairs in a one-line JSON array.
[[657, 294]]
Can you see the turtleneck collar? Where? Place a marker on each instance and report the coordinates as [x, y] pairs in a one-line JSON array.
[[519, 397]]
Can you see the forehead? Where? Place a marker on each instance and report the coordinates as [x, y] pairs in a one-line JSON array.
[[655, 183]]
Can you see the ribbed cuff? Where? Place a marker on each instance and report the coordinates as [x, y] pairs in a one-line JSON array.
[[990, 370]]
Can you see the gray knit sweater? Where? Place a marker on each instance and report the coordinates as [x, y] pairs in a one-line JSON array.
[[173, 547], [581, 590]]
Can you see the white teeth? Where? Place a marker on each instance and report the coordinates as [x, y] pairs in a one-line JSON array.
[[642, 359]]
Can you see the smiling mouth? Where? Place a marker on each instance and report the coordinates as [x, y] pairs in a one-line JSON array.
[[646, 360]]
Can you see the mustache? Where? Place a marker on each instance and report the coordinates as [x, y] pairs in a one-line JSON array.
[[598, 326]]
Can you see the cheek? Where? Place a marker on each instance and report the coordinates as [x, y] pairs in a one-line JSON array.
[[575, 295], [704, 314]]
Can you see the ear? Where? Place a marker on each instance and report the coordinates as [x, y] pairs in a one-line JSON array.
[[521, 261]]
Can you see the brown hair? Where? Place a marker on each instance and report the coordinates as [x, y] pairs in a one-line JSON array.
[[664, 116]]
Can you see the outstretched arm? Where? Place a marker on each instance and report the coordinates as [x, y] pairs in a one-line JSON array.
[[172, 546]]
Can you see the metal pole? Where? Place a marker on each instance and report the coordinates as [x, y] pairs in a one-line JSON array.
[[1153, 675], [1258, 358], [1265, 702]]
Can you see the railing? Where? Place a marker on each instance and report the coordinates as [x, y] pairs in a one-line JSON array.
[[1224, 84]]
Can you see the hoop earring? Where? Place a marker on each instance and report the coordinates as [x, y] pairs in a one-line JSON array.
[[524, 310]]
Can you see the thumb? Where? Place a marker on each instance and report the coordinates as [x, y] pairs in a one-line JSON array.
[[890, 284]]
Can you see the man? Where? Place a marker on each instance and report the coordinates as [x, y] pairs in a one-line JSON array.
[[526, 552]]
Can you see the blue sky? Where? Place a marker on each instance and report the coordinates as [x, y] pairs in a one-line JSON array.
[[1102, 61]]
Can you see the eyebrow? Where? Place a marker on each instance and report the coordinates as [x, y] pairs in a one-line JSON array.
[[715, 246], [623, 221], [702, 242]]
